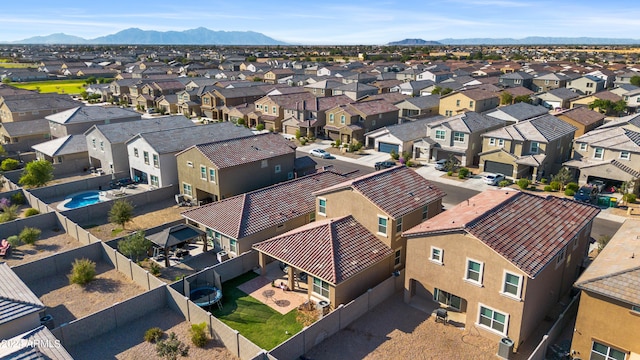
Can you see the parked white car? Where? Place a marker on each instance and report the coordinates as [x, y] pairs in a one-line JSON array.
[[321, 153], [493, 179]]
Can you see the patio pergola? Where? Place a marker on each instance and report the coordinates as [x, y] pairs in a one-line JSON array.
[[174, 236]]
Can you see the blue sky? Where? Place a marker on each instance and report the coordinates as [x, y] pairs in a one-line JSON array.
[[328, 21]]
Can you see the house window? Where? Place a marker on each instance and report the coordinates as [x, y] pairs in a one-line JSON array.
[[448, 299], [59, 159], [493, 319], [186, 189], [205, 100], [399, 225], [425, 212], [233, 246], [273, 109], [320, 287], [474, 271], [290, 175], [382, 225], [625, 155], [312, 217], [203, 172], [535, 146], [135, 151], [604, 352], [156, 160], [458, 136], [583, 146], [331, 118], [397, 258], [93, 142], [212, 175], [440, 134], [146, 157], [264, 164], [635, 308], [561, 256], [102, 146], [436, 255], [154, 181], [343, 119], [501, 142], [457, 102], [512, 284], [322, 206], [492, 141], [448, 113], [189, 164], [278, 168], [471, 104]]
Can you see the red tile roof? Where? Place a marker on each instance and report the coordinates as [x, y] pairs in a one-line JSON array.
[[333, 250], [396, 191], [525, 229], [250, 213]]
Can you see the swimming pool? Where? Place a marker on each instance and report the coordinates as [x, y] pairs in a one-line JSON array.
[[80, 199]]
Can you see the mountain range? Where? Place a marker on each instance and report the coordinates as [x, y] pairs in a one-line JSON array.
[[135, 36], [531, 40]]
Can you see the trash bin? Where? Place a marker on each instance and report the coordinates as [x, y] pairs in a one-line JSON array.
[[505, 348], [613, 202], [604, 201]]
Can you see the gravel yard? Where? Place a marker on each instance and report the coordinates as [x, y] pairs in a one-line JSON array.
[[127, 341], [395, 330], [50, 242]]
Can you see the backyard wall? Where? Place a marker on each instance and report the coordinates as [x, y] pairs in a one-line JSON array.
[[336, 320], [567, 315], [47, 221], [58, 192]]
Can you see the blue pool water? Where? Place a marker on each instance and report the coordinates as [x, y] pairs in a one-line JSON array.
[[83, 199]]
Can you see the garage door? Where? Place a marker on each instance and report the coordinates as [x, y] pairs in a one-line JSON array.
[[496, 167], [291, 130], [387, 148]]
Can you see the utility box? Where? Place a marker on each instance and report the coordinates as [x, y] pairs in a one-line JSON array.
[[505, 348]]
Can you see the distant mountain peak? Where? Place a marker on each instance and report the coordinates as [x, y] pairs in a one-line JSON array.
[[414, 42]]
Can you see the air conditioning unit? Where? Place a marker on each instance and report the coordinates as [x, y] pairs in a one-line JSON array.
[[505, 348], [222, 256]]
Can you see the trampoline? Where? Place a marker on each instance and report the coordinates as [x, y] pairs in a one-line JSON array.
[[206, 296]]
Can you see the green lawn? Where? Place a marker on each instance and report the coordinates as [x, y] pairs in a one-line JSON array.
[[256, 321], [10, 65], [54, 86]]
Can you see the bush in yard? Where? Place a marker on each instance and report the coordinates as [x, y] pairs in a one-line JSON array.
[[573, 186], [449, 173], [8, 213], [121, 212], [629, 198], [298, 135], [134, 246], [394, 155], [14, 240], [303, 141], [555, 185], [460, 176], [547, 188], [36, 173], [29, 235], [155, 269], [31, 212], [569, 192], [504, 183], [523, 183], [463, 173], [171, 348], [83, 271], [17, 198], [260, 127], [9, 164], [198, 334], [154, 334], [543, 180]]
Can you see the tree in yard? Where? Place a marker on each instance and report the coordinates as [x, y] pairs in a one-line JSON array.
[[522, 98], [446, 91], [563, 177], [608, 106], [121, 212], [635, 80], [9, 164], [171, 348], [506, 98], [436, 90], [134, 246], [37, 173]]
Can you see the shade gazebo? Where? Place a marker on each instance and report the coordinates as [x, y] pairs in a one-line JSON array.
[[175, 236]]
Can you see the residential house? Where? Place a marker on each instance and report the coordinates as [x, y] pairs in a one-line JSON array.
[[68, 153], [272, 76], [610, 152], [476, 100], [80, 119], [270, 110], [398, 138], [625, 77], [222, 169], [414, 88], [549, 81], [385, 86], [494, 260], [349, 122], [152, 154], [35, 106], [583, 119], [586, 85], [355, 90], [434, 75], [517, 112], [606, 75], [214, 100], [531, 149], [106, 142], [419, 106], [586, 100], [309, 118], [21, 135], [607, 321], [458, 137], [234, 224], [515, 79], [556, 99], [20, 310], [323, 88]]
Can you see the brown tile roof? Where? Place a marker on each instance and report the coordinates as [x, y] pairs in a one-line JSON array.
[[525, 229], [333, 250], [583, 115], [250, 213], [607, 95], [373, 107], [233, 152], [396, 191], [476, 94]]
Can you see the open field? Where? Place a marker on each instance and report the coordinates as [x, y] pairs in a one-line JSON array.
[[7, 64], [74, 86]]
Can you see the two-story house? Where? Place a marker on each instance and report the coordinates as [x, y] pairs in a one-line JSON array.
[[583, 119], [78, 120], [309, 118], [218, 170], [607, 325], [214, 100], [152, 154], [556, 99], [495, 261], [323, 88], [517, 112], [21, 107], [270, 110], [419, 106], [272, 76], [529, 149], [515, 79], [549, 81], [349, 122], [586, 85], [21, 135], [610, 152], [477, 100], [355, 90], [459, 136]]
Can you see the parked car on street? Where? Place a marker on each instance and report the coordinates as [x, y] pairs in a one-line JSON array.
[[587, 194], [440, 164], [321, 153], [384, 164], [493, 178]]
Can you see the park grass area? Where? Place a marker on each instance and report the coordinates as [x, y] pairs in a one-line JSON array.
[[256, 321], [75, 86], [12, 65]]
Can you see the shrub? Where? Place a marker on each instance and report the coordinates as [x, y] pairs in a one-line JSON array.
[[14, 240], [409, 163], [504, 183], [547, 188], [463, 173], [134, 246], [543, 180], [155, 269], [298, 135], [460, 176], [171, 348], [555, 185], [338, 143], [573, 186], [17, 198], [9, 164], [8, 213], [31, 212], [523, 183], [154, 334], [260, 127], [303, 141], [569, 192], [198, 334], [29, 235], [449, 173], [394, 155], [629, 198], [83, 271]]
